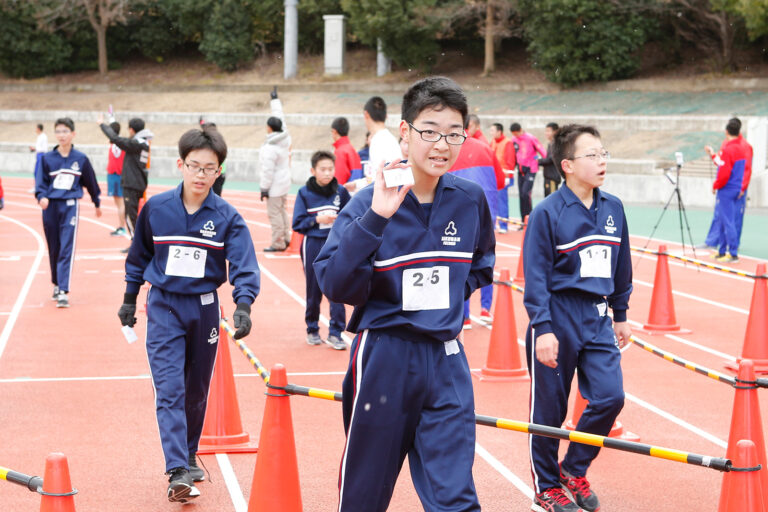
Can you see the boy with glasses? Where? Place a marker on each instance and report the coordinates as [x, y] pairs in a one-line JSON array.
[[407, 257], [60, 176], [577, 265], [184, 240]]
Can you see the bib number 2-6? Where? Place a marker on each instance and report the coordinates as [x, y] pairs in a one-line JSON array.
[[185, 261], [425, 288]]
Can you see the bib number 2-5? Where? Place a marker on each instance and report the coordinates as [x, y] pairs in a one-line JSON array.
[[425, 288]]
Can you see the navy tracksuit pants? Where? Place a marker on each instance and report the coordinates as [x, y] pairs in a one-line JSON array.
[[587, 343], [525, 179], [60, 226], [182, 339], [310, 248], [415, 398]]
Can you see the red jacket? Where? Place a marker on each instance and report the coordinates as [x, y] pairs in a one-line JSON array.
[[479, 136], [734, 164], [347, 159], [505, 152]]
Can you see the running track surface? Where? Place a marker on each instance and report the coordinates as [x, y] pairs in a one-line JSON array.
[[69, 382]]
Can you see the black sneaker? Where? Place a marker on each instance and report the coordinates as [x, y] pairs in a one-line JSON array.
[[55, 295], [314, 338], [62, 301], [578, 489], [181, 489], [336, 342], [197, 474], [554, 500]]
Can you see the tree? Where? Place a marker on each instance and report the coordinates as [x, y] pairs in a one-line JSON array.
[[575, 41], [54, 15], [406, 28], [755, 14]]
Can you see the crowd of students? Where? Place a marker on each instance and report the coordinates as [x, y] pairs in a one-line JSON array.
[[406, 258]]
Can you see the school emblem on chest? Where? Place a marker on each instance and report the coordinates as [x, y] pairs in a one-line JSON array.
[[337, 201], [75, 166], [208, 229], [214, 336], [610, 228], [450, 237]]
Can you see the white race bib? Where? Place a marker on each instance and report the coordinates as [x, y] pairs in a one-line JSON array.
[[326, 225], [595, 261], [185, 261], [425, 288], [63, 181]]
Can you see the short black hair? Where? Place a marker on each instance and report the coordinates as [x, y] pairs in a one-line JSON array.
[[733, 127], [376, 108], [208, 124], [275, 123], [553, 126], [436, 92], [564, 143], [499, 127], [473, 118], [115, 127], [136, 124], [66, 121], [322, 155], [40, 126], [341, 125], [204, 137], [515, 127]]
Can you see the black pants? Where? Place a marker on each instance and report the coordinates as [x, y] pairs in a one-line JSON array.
[[524, 188], [131, 197], [550, 186]]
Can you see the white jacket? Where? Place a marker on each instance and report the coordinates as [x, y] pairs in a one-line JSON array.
[[274, 158]]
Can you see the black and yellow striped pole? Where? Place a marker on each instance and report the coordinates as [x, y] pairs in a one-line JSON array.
[[33, 483], [263, 372], [700, 263], [510, 221], [659, 452]]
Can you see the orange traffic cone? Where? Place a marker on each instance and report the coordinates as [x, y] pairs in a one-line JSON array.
[[745, 494], [520, 277], [756, 338], [617, 431], [295, 246], [661, 318], [275, 484], [58, 494], [745, 424], [222, 430], [503, 363]]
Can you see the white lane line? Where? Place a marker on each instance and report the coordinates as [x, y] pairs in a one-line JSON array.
[[298, 298], [674, 419], [260, 224], [697, 298], [503, 470], [691, 343], [24, 287], [23, 380], [233, 486]]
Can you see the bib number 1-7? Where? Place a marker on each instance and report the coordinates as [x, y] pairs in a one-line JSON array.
[[426, 288]]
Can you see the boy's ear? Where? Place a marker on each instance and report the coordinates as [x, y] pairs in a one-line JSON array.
[[404, 129], [567, 165], [180, 164]]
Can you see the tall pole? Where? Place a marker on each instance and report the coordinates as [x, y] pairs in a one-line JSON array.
[[291, 42], [383, 63]]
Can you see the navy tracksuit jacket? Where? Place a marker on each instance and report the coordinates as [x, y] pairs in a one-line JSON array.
[[577, 263], [184, 256], [408, 390], [61, 180], [311, 201]]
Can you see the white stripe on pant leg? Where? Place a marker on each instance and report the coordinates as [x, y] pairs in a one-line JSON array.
[[304, 253], [530, 419], [358, 380], [74, 244]]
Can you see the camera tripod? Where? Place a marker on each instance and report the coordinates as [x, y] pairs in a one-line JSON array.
[[682, 216]]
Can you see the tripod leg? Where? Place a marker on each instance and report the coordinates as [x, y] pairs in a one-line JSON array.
[[684, 217]]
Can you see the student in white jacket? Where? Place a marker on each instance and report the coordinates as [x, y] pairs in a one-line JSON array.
[[275, 175]]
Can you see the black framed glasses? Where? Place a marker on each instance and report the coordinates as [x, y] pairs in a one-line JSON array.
[[194, 169], [455, 139], [595, 156]]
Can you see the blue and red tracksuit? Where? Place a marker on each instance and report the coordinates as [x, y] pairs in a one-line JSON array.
[[311, 201], [734, 161], [577, 264], [408, 390], [477, 162], [184, 257], [61, 179]]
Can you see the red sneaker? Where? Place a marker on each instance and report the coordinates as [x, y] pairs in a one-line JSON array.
[[578, 489], [467, 324], [554, 500], [485, 317]]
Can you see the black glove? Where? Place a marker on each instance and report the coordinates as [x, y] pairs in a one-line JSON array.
[[127, 311], [242, 318], [264, 194], [273, 93]]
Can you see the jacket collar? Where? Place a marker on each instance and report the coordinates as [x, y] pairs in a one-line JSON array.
[[570, 198], [341, 141]]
